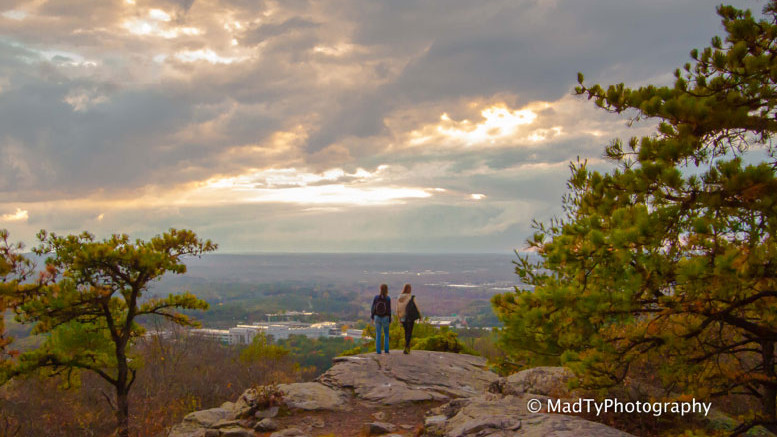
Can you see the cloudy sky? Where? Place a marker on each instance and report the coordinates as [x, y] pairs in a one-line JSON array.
[[317, 126]]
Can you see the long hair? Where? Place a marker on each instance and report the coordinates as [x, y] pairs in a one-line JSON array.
[[406, 289], [383, 290]]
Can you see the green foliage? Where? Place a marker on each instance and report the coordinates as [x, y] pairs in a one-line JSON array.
[[668, 263], [315, 352], [262, 349], [425, 337], [238, 301], [480, 313], [90, 297], [443, 341]]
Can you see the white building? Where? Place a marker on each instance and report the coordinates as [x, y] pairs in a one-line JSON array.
[[355, 334], [221, 335], [451, 322], [282, 330], [244, 334]]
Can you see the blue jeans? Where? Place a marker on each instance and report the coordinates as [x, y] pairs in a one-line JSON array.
[[382, 330]]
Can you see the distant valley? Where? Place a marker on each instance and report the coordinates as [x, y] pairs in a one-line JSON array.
[[242, 288]]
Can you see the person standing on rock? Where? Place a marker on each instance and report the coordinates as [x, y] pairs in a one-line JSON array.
[[381, 317], [408, 313]]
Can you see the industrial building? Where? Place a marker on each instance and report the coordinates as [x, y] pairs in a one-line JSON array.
[[279, 330]]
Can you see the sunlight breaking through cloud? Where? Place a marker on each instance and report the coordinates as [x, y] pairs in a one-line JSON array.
[[131, 115], [334, 186], [498, 123], [335, 50], [20, 215], [207, 55], [155, 24]]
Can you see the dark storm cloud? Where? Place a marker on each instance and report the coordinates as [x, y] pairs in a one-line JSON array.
[[111, 146], [113, 98], [530, 48], [264, 32], [534, 48]]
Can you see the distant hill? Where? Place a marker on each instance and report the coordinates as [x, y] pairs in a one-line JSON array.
[[347, 268]]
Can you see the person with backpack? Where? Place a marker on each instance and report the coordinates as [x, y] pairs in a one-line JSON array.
[[381, 317], [408, 313]]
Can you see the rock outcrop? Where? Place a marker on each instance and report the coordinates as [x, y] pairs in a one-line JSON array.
[[499, 415], [547, 381], [468, 400], [419, 376], [313, 396]]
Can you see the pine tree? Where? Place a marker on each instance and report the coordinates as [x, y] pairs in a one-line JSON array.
[[669, 261], [93, 298]]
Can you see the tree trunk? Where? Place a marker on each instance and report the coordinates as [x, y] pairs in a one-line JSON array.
[[122, 413], [769, 404], [122, 390]]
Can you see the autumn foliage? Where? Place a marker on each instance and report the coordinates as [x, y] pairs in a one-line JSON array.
[[177, 374]]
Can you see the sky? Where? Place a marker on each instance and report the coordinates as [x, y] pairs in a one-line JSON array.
[[318, 126]]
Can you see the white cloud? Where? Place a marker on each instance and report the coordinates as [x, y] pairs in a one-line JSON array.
[[159, 15], [20, 215], [334, 186], [14, 14], [498, 125], [216, 106], [207, 55], [335, 50], [156, 24], [83, 99]]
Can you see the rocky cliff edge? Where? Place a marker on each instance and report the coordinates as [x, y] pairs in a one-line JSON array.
[[424, 393]]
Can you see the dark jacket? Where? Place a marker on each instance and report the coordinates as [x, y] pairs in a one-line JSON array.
[[375, 301]]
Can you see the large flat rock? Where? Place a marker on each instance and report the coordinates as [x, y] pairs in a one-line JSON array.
[[419, 376], [496, 415]]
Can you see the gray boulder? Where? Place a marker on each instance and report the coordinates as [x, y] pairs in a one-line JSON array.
[[231, 423], [313, 396], [266, 424], [495, 415], [236, 431], [546, 381], [267, 413], [206, 418], [420, 376]]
